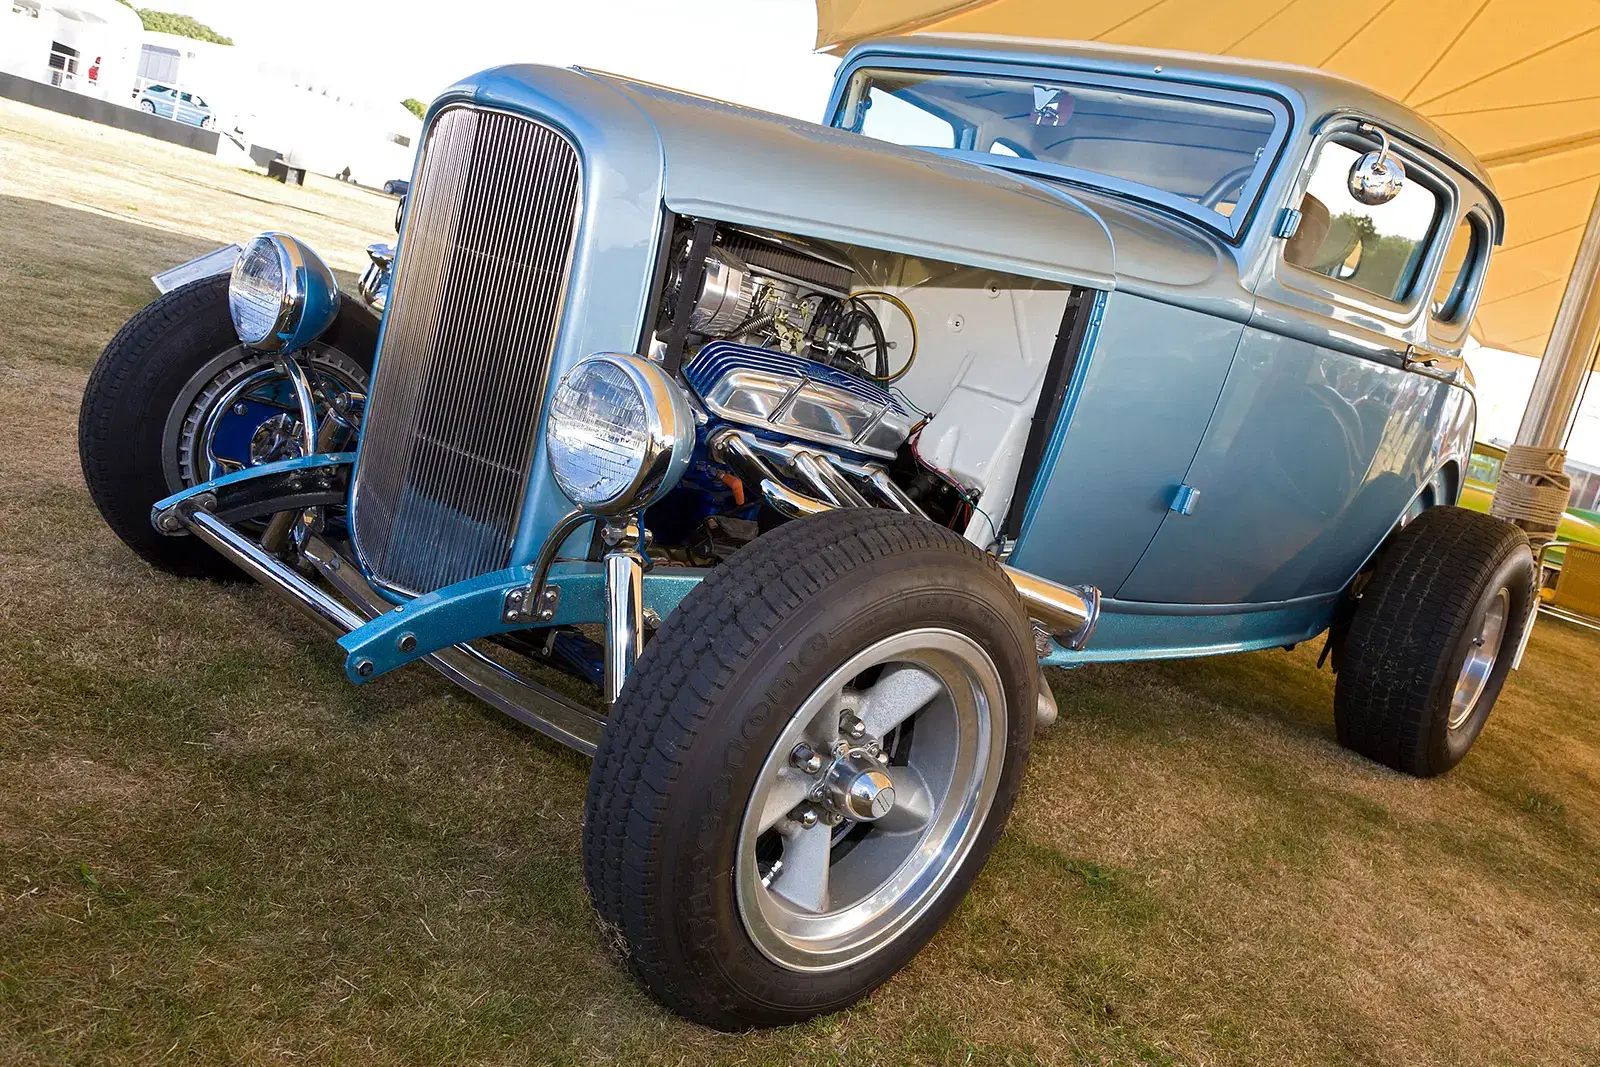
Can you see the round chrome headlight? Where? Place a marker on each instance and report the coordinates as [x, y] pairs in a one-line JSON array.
[[619, 434], [281, 295]]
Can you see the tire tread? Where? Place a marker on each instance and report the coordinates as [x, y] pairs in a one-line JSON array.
[[1406, 629], [677, 683]]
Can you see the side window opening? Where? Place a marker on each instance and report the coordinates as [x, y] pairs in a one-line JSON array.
[[887, 117], [1376, 248], [1460, 268]]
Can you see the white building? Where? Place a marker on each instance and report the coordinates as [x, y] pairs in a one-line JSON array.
[[322, 125], [100, 48], [316, 124], [87, 46]]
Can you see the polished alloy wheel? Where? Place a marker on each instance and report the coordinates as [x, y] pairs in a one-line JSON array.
[[871, 799], [1481, 656]]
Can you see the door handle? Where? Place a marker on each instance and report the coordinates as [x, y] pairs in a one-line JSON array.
[[1428, 361]]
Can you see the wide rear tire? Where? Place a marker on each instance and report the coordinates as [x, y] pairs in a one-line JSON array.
[[1432, 640], [703, 739]]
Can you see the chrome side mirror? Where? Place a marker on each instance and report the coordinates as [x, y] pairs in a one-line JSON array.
[[1377, 177]]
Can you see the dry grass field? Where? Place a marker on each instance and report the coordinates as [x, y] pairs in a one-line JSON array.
[[215, 851]]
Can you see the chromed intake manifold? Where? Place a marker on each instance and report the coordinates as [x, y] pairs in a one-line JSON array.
[[1068, 613]]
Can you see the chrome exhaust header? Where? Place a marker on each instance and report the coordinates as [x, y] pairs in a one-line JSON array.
[[1068, 613]]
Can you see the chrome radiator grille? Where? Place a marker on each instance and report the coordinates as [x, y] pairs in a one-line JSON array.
[[450, 429]]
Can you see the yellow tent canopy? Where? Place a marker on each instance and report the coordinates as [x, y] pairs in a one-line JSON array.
[[1517, 82]]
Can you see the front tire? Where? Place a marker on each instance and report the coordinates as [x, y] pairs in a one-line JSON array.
[[889, 649], [1432, 640], [142, 429]]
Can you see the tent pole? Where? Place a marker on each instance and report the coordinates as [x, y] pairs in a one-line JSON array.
[[1534, 487]]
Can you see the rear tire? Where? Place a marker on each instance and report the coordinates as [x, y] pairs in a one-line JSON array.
[[143, 373], [1432, 640], [683, 780]]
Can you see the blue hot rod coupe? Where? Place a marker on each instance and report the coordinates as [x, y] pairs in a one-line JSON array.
[[807, 446]]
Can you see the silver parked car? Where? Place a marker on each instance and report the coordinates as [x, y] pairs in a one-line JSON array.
[[178, 104]]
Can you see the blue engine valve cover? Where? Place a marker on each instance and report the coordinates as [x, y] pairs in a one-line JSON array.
[[798, 397]]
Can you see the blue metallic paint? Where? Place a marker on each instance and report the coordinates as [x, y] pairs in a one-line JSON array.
[[1311, 458], [472, 609], [1130, 433], [613, 265], [467, 610], [321, 305], [321, 459], [1171, 346], [742, 166], [1126, 634]]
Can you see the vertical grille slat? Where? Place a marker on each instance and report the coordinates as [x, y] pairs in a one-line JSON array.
[[450, 429]]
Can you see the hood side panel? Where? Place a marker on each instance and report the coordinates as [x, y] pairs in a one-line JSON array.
[[748, 167]]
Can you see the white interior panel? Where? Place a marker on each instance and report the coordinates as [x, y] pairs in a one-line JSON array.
[[983, 348]]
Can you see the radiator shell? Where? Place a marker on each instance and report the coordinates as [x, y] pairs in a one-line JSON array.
[[452, 424]]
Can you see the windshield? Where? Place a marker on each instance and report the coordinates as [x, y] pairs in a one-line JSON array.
[[1202, 155]]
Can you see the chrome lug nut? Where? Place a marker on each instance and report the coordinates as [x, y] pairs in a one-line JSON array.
[[805, 758], [851, 724], [806, 816], [883, 758]]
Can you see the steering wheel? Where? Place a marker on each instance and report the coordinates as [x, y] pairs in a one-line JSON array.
[[1213, 196]]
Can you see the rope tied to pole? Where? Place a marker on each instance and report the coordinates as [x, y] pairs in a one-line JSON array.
[[1533, 489]]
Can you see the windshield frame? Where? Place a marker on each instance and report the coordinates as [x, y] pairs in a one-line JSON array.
[[1232, 228]]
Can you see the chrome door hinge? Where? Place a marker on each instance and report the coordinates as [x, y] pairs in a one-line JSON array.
[[1287, 224]]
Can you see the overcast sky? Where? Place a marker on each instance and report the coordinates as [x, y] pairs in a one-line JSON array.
[[755, 52]]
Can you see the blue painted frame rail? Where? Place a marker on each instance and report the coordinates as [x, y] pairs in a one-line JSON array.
[[474, 608]]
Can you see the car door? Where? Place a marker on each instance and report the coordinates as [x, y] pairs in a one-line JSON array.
[[186, 111], [1135, 408], [1325, 431]]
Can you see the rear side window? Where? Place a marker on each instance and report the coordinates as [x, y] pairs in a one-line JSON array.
[[1460, 265], [1378, 249]]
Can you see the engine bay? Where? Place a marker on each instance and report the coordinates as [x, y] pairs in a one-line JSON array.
[[803, 364]]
